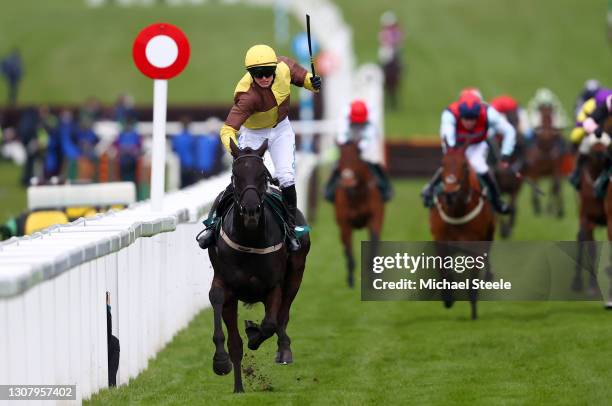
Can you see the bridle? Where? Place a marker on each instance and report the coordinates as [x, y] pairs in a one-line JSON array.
[[238, 197]]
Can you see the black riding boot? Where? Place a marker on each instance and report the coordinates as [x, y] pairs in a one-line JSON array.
[[574, 178], [208, 237], [428, 191], [384, 183], [498, 204], [330, 186], [290, 198]]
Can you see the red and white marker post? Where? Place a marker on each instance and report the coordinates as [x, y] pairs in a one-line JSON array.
[[160, 52]]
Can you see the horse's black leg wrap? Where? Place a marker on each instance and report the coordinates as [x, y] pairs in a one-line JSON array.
[[428, 191], [290, 198], [496, 200], [330, 187]]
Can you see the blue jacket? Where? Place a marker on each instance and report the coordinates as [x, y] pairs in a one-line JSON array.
[[184, 144], [206, 152]]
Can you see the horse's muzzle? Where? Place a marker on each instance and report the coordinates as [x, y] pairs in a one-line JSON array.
[[251, 216]]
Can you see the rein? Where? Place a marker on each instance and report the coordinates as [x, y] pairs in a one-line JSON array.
[[237, 199]]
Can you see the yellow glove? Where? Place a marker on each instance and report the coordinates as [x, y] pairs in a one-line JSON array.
[[227, 133], [577, 135]]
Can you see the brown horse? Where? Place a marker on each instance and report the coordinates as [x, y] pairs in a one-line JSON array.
[[251, 264], [545, 159], [460, 213], [358, 202], [591, 209], [608, 210]]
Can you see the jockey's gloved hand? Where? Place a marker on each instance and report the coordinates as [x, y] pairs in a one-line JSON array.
[[316, 82]]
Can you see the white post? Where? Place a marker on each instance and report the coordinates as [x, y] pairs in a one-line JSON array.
[[158, 160]]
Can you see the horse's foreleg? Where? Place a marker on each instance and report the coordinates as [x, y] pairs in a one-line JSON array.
[[290, 290], [535, 200], [473, 299], [221, 361], [558, 197], [258, 334], [347, 240], [577, 284], [234, 342]]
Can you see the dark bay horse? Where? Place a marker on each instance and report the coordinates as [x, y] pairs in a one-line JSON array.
[[460, 213], [251, 264], [358, 202], [545, 159], [591, 209]]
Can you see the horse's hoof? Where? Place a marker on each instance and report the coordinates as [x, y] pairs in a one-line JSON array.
[[222, 364], [447, 298], [351, 281], [284, 357], [239, 389], [609, 305], [577, 285], [253, 333]]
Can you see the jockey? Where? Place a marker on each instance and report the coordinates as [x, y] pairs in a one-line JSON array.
[[357, 126], [468, 120], [512, 111], [545, 98], [591, 87], [260, 110], [577, 135], [390, 37]]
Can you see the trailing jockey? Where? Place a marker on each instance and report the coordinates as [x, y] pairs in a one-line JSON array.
[[358, 127], [594, 125], [577, 135], [260, 112], [468, 121]]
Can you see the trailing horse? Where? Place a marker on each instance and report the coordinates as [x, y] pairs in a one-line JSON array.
[[461, 212], [591, 208], [358, 202], [545, 159], [251, 264]]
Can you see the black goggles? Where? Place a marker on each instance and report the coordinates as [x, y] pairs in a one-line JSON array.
[[262, 71]]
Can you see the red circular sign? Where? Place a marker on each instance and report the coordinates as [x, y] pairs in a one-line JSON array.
[[161, 51]]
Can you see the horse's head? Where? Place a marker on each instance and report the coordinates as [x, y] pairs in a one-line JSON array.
[[352, 169], [599, 148], [455, 175], [249, 178]]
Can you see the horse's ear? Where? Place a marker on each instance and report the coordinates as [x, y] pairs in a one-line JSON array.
[[234, 148], [262, 148]]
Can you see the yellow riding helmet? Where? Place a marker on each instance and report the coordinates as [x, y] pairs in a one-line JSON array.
[[260, 55]]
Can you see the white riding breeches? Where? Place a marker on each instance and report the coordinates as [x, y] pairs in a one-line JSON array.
[[476, 155], [281, 145]]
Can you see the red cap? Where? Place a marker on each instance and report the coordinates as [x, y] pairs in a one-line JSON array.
[[359, 112], [504, 104], [471, 90]]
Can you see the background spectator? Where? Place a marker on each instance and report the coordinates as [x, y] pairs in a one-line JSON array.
[[12, 69], [183, 144], [129, 149]]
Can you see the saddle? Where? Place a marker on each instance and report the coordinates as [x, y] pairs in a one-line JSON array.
[[273, 199]]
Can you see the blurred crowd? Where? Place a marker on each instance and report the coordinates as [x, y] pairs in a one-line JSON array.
[[59, 144]]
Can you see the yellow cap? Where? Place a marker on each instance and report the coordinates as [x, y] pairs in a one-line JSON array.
[[260, 55]]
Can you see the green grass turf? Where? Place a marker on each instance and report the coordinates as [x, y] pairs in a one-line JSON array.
[[514, 46], [12, 195], [352, 352]]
